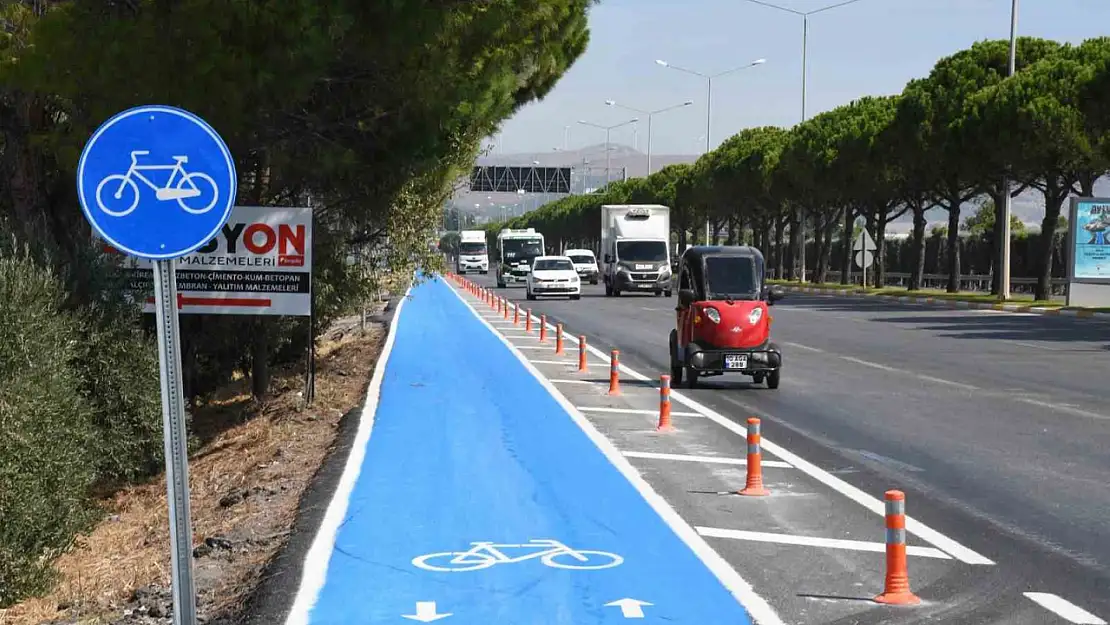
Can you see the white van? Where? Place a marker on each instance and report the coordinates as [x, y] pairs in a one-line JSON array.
[[585, 263]]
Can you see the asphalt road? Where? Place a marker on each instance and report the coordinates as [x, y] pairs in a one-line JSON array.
[[994, 424]]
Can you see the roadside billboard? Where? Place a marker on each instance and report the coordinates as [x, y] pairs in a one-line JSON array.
[[259, 264], [1089, 252]]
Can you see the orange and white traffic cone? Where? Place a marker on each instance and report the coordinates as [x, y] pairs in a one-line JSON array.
[[582, 353], [543, 328], [754, 486], [614, 372], [528, 320], [559, 339], [665, 404], [897, 588]]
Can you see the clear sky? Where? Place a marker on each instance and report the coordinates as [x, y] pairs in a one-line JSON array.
[[871, 47]]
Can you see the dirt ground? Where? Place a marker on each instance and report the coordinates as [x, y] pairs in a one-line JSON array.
[[245, 488]]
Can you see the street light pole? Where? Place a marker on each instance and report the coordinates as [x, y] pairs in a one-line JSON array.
[[607, 130], [1004, 261], [805, 45], [709, 104], [649, 114]]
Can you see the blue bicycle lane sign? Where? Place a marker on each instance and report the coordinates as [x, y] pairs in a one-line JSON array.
[[156, 182]]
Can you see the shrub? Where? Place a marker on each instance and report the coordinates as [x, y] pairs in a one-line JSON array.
[[45, 432]]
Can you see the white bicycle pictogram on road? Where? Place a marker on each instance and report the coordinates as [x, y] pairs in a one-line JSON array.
[[483, 555], [181, 186]]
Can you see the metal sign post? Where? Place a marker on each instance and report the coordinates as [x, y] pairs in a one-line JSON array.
[[176, 442], [864, 246], [188, 189]]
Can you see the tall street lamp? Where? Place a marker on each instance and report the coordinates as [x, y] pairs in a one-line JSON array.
[[709, 104], [607, 130], [1004, 261], [805, 38], [649, 116]]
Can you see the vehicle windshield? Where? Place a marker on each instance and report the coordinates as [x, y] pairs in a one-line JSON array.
[[522, 249], [472, 249], [579, 259], [553, 264], [643, 251], [731, 277]]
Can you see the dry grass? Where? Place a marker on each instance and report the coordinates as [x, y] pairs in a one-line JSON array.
[[259, 467]]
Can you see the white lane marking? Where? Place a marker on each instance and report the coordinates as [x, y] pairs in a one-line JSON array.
[[566, 381], [319, 554], [920, 376], [926, 533], [814, 541], [761, 612], [1036, 346], [1061, 407], [635, 411], [1064, 609], [804, 347], [651, 455], [869, 502], [568, 361], [550, 347]]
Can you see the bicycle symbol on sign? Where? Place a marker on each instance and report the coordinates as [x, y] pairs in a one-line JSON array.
[[181, 186], [483, 555]]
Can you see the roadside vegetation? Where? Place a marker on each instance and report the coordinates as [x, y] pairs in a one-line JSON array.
[[370, 112], [946, 142]]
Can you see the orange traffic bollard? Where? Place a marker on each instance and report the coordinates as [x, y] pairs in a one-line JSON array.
[[559, 339], [665, 404], [528, 320], [614, 373], [505, 309], [543, 328], [897, 587], [516, 314], [582, 353], [754, 486]]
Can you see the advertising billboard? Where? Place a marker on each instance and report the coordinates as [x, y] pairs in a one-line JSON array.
[[259, 264], [1090, 249]]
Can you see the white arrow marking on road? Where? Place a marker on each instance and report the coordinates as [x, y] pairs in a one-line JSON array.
[[426, 612], [630, 608]]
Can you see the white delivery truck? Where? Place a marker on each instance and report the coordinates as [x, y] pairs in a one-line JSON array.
[[516, 249], [636, 249], [473, 255]]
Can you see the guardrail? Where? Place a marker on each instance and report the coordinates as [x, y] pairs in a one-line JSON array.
[[968, 282]]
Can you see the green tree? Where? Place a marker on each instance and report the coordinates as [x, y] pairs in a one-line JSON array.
[[930, 112], [1040, 127]]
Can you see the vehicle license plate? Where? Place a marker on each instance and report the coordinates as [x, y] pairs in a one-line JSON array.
[[736, 361]]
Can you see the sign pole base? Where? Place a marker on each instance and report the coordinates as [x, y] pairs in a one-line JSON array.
[[176, 443]]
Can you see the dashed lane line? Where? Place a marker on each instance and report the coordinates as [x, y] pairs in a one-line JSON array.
[[804, 347], [815, 541], [651, 455], [1064, 609], [920, 376]]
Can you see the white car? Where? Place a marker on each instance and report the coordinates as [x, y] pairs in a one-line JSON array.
[[553, 275], [585, 263]]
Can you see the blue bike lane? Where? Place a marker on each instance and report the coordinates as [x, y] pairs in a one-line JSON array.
[[468, 447]]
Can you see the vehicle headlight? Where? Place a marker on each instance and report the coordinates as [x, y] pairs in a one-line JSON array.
[[713, 315], [664, 273], [755, 315], [623, 271]]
